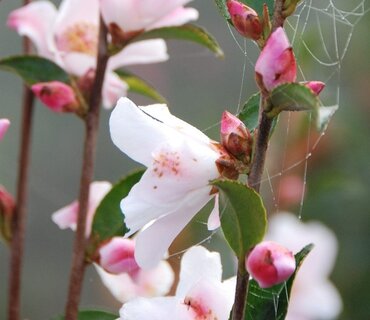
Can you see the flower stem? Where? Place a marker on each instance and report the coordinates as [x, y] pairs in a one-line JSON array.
[[19, 222], [254, 179], [91, 130]]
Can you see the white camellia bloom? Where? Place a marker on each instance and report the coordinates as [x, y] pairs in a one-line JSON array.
[[200, 294], [313, 295], [69, 37], [181, 161]]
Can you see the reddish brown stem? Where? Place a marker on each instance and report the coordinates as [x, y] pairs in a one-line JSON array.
[[254, 179], [20, 214], [91, 131]]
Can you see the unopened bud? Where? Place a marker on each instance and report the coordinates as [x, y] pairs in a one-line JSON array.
[[276, 64], [56, 95], [315, 86], [235, 136], [4, 125], [269, 264], [245, 19], [7, 207], [117, 256]]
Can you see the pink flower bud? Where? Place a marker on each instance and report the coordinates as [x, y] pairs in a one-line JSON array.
[[315, 86], [276, 64], [245, 19], [117, 256], [235, 136], [4, 125], [56, 95], [269, 264], [7, 207]]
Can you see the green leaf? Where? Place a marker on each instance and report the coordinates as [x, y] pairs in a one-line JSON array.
[[323, 117], [140, 86], [92, 315], [250, 113], [221, 4], [243, 216], [108, 219], [272, 303], [292, 97], [187, 32], [34, 69]]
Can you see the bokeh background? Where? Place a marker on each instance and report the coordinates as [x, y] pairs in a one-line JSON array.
[[198, 88]]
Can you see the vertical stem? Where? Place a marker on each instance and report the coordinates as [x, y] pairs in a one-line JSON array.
[[91, 130], [19, 222], [254, 179]]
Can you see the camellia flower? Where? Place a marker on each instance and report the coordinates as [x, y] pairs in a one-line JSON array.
[[123, 277], [181, 161], [67, 216], [4, 125], [269, 264], [69, 37], [200, 293], [276, 64], [313, 295]]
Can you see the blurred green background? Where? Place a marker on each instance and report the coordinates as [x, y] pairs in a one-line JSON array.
[[198, 88]]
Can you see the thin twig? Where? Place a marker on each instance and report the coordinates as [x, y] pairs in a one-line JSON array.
[[254, 179], [20, 214], [91, 127]]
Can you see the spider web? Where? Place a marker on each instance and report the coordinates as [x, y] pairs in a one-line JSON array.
[[320, 32]]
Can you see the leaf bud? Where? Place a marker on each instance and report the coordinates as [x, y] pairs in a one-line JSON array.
[[269, 264], [245, 19]]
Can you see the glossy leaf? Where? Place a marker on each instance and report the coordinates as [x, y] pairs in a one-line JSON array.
[[243, 216], [187, 32], [34, 69], [272, 303], [292, 97], [250, 113], [108, 219], [140, 86], [323, 117], [92, 315]]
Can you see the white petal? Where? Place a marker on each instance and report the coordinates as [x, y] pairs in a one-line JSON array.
[[113, 89], [76, 63], [214, 217], [143, 52], [177, 17], [198, 263], [139, 131], [154, 309], [66, 217], [153, 242], [35, 21]]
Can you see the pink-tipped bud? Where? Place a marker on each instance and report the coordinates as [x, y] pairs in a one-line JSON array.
[[245, 20], [7, 207], [117, 256], [4, 125], [276, 64], [235, 136], [56, 95], [315, 86], [269, 264]]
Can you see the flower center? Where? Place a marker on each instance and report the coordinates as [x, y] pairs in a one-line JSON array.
[[80, 37]]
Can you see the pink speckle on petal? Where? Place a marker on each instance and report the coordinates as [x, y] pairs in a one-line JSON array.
[[166, 163], [200, 309]]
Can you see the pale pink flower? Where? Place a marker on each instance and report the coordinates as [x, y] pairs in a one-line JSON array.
[[133, 15], [313, 295], [56, 95], [269, 263], [4, 126], [66, 217], [200, 293], [69, 37], [122, 276], [180, 161], [276, 64]]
